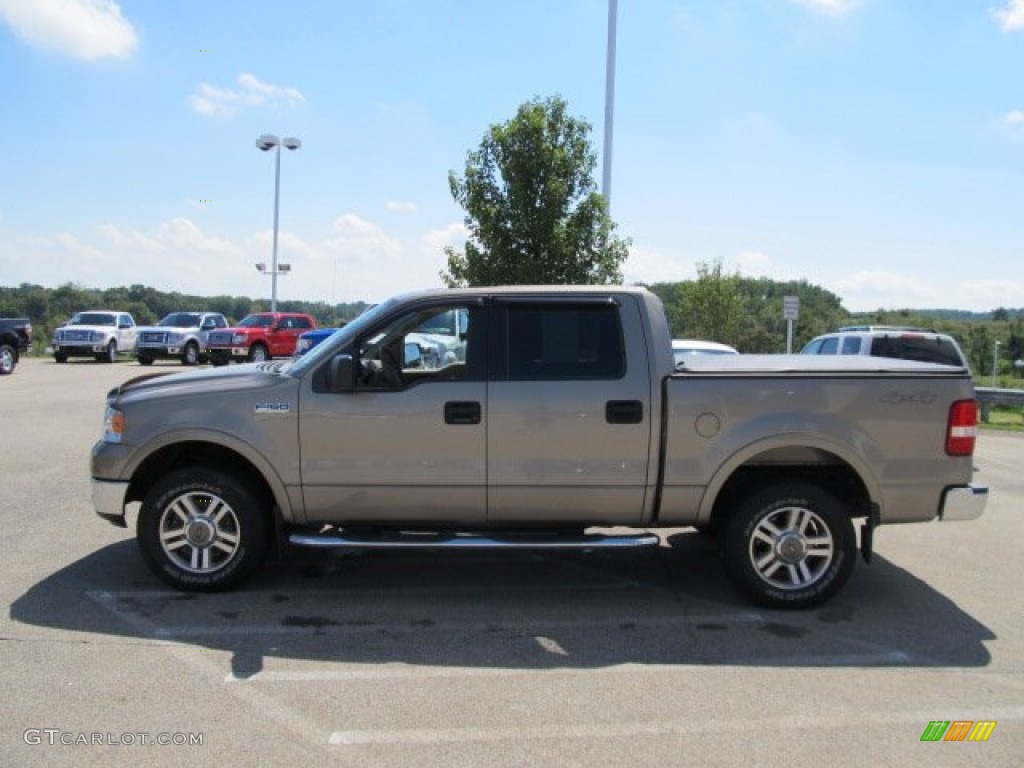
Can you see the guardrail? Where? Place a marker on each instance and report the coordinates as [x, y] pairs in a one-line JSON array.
[[989, 396]]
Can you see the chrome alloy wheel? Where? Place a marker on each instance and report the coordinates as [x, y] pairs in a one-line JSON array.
[[791, 548], [199, 532]]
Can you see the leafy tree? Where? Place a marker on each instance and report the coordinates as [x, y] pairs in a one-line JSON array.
[[532, 209]]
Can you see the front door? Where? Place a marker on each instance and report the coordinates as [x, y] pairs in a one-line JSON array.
[[409, 443]]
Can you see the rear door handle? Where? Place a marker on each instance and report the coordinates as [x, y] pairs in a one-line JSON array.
[[624, 412], [462, 412]]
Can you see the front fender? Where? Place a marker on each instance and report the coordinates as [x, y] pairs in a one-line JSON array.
[[117, 462]]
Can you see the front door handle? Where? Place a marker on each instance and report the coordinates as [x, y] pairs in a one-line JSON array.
[[462, 412]]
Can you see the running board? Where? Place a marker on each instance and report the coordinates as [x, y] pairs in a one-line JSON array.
[[472, 541]]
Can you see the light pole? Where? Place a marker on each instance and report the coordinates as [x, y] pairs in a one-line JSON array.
[[995, 363], [609, 103], [267, 142]]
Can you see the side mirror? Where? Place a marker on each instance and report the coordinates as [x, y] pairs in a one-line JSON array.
[[413, 358], [341, 374]]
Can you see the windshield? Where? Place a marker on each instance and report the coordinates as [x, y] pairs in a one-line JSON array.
[[338, 339], [180, 320], [257, 321], [92, 318]]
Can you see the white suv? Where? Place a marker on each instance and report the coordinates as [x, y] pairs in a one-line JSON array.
[[901, 342]]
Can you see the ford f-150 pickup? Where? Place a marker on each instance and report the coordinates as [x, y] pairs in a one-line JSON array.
[[562, 420], [15, 338]]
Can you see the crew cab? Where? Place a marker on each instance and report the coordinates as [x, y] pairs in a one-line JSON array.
[[15, 338], [258, 337], [99, 333], [180, 335], [564, 416]]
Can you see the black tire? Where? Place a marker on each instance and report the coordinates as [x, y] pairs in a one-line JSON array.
[[219, 359], [191, 354], [790, 545], [258, 353], [145, 359], [202, 530], [60, 357], [8, 359], [109, 355]]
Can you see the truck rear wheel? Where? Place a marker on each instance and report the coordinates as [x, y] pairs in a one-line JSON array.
[[202, 530], [790, 545]]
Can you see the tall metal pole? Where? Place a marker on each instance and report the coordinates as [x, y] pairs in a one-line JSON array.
[[995, 364], [277, 204], [609, 103]]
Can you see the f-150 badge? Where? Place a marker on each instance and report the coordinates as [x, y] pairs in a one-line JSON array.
[[273, 407]]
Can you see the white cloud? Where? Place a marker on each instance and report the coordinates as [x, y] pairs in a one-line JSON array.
[[454, 235], [77, 247], [251, 92], [1010, 18], [877, 288], [82, 29], [831, 7], [287, 243], [402, 206], [1015, 118], [183, 233], [115, 236]]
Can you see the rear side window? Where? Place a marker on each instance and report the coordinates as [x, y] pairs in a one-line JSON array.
[[924, 349], [564, 342], [851, 346]]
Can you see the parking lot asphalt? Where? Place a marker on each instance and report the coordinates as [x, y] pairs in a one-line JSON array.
[[438, 659]]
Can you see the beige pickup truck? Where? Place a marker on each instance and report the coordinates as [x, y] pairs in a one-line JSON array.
[[563, 423]]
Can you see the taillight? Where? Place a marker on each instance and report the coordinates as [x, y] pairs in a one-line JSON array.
[[962, 428]]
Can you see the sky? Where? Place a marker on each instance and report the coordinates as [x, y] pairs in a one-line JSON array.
[[872, 147]]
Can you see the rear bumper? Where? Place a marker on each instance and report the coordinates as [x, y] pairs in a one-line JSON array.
[[963, 503]]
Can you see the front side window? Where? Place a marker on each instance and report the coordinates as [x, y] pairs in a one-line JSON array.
[[409, 349]]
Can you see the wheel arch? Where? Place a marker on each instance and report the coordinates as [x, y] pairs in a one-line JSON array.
[[207, 452], [782, 459]]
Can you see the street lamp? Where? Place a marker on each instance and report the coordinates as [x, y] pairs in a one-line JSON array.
[[267, 142], [995, 363]]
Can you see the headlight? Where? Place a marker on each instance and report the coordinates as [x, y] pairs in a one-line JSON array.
[[95, 336], [175, 338], [113, 425], [238, 338]]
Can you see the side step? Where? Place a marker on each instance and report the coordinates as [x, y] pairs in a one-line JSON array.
[[401, 540]]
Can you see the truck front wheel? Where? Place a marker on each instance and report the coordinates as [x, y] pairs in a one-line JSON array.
[[258, 353], [790, 545], [8, 359], [191, 354], [202, 530]]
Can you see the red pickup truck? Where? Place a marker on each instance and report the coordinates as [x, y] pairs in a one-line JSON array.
[[258, 337]]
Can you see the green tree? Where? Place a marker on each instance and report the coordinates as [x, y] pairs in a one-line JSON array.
[[532, 209]]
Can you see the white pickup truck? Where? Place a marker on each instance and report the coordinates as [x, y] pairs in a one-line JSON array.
[[562, 423]]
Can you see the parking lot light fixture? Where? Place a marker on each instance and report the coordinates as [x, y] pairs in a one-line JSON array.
[[266, 142]]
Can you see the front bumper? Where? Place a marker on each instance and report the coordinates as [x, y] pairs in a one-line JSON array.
[[80, 348], [161, 350], [108, 500], [965, 502]]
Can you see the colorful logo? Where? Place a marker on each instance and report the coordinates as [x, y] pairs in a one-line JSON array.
[[958, 730]]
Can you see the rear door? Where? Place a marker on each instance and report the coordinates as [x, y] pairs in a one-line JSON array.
[[569, 406]]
